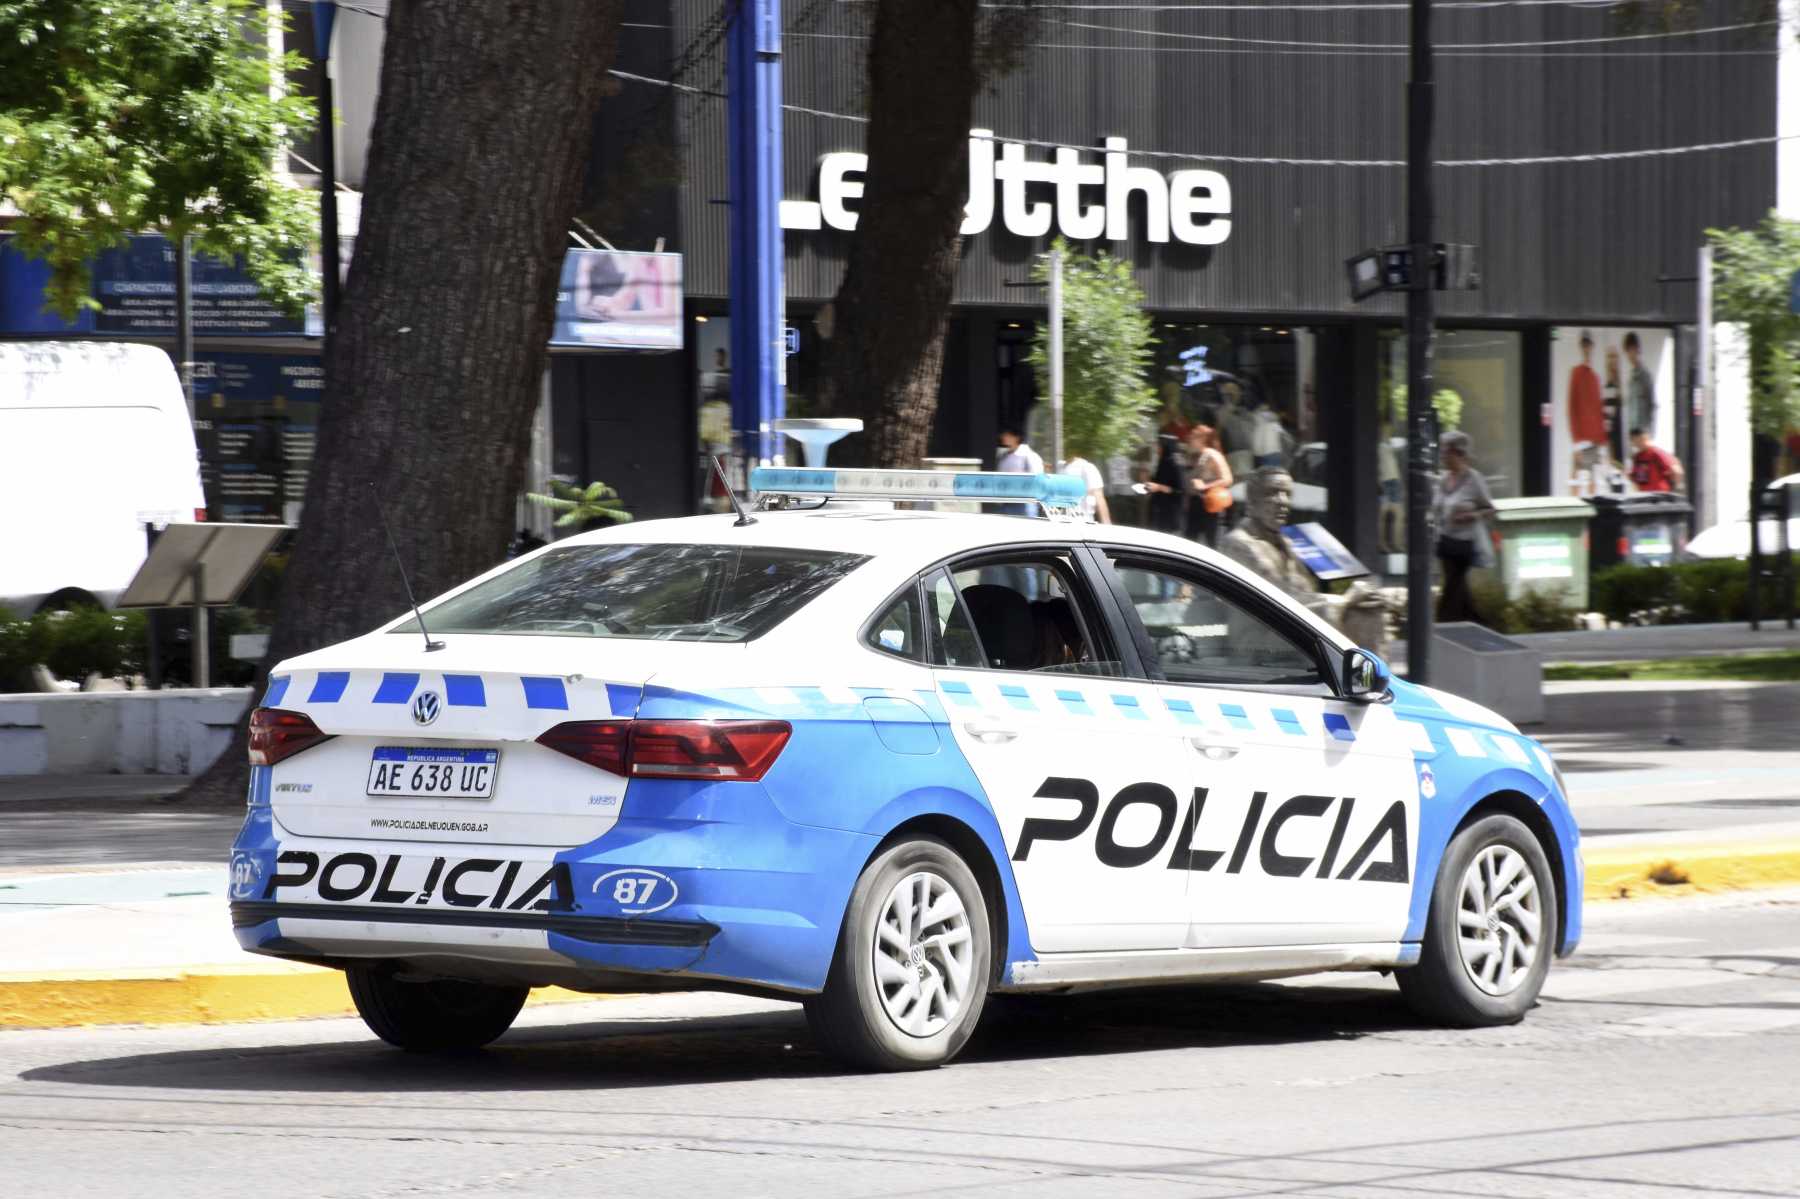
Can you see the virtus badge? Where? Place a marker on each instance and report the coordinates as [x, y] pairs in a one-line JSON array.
[[426, 707]]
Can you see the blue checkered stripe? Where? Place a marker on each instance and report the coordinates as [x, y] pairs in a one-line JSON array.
[[545, 692], [1101, 700], [1429, 739]]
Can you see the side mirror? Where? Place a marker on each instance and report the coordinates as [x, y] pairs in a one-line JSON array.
[[1366, 677]]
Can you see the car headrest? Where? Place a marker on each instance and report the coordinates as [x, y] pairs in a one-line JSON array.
[[1003, 621]]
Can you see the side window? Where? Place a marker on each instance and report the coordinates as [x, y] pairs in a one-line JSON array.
[[955, 637], [896, 631], [1201, 636], [1031, 615]]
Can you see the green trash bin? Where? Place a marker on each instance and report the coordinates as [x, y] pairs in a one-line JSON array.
[[1544, 546]]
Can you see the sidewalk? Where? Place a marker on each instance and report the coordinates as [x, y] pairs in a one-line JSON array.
[[1662, 641], [1697, 782]]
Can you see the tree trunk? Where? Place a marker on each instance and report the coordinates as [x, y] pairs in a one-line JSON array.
[[887, 348], [480, 144]]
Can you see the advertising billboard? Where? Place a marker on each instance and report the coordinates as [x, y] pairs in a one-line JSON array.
[[619, 300]]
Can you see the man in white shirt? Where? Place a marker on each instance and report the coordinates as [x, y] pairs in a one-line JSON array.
[[1017, 458], [1093, 503]]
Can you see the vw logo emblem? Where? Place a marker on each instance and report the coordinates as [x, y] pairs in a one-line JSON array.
[[425, 708]]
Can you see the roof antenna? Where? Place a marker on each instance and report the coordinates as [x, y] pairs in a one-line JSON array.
[[737, 505], [404, 581]]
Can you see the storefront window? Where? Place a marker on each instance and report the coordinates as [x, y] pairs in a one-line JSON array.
[[712, 393], [1254, 386], [1478, 392]]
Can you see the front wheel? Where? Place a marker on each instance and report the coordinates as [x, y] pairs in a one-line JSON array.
[[423, 1015], [910, 974], [1491, 931]]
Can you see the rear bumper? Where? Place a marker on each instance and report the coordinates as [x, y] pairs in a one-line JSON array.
[[756, 905]]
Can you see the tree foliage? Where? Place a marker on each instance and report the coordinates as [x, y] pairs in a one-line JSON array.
[[1753, 272], [151, 116], [1107, 354]]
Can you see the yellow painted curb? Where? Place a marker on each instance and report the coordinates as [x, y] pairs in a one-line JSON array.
[[223, 996], [1635, 872]]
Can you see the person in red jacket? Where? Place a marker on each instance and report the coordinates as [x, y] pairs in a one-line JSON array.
[[1653, 468]]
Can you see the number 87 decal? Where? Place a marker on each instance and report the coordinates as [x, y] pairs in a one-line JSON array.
[[638, 892]]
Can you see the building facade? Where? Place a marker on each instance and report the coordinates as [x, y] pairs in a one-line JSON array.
[[1236, 156]]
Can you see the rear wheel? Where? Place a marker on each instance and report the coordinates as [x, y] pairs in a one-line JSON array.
[[1491, 931], [432, 1014], [910, 974]]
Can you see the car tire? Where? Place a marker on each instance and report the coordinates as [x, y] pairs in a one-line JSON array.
[[910, 974], [1491, 929], [427, 1015]]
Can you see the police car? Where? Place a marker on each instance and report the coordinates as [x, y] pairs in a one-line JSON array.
[[886, 761]]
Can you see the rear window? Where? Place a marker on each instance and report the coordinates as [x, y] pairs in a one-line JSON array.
[[654, 592]]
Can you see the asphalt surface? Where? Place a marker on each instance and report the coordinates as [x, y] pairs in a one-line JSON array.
[[1661, 1061]]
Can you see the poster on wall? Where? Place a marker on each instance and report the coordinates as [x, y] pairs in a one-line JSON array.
[[255, 416], [618, 299], [1605, 382]]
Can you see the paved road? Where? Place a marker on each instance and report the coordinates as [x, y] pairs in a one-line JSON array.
[[1662, 1061]]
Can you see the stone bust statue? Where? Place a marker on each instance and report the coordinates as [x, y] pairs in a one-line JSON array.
[[1257, 543]]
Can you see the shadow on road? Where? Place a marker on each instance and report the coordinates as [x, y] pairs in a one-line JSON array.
[[639, 1052]]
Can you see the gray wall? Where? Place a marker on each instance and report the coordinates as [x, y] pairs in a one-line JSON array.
[[1568, 241]]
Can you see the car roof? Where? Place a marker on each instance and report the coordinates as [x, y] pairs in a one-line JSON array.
[[873, 530]]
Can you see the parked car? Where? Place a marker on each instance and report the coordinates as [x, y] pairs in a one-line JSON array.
[[1731, 538], [95, 441]]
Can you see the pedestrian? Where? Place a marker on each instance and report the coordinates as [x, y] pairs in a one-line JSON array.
[[1460, 507], [1210, 483], [1017, 458], [1093, 500], [1652, 467], [1168, 486]]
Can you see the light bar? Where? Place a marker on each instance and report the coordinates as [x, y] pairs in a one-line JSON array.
[[919, 486]]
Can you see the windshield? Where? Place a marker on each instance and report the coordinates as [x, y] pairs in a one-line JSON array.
[[658, 592]]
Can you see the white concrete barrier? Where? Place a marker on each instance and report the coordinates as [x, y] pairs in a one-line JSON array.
[[118, 732]]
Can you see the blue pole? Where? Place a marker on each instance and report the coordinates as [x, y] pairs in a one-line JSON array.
[[758, 362]]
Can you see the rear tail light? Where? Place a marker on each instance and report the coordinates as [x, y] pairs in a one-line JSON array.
[[276, 733], [736, 750], [601, 743]]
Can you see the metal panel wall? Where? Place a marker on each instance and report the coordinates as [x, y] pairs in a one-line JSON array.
[[1569, 241]]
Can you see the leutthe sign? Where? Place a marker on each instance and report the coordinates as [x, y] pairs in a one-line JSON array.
[[1093, 200]]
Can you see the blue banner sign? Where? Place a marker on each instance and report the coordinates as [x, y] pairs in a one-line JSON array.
[[1322, 553], [134, 285]]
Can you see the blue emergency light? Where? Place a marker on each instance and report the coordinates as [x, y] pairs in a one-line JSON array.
[[921, 486]]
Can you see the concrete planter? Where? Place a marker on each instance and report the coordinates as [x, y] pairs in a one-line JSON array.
[[118, 732]]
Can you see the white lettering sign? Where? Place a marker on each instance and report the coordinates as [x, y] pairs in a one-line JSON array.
[[1092, 200]]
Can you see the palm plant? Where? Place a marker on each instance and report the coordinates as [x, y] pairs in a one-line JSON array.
[[581, 506]]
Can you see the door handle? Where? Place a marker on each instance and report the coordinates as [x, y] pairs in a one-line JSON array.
[[990, 734], [1215, 748]]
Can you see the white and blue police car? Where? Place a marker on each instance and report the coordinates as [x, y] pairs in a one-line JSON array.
[[886, 761]]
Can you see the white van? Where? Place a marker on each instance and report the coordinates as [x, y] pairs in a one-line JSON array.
[[95, 440]]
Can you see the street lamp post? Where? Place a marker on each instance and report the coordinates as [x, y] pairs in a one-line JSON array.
[[1421, 412], [1056, 359]]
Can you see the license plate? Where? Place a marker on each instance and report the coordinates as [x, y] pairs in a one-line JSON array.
[[437, 773]]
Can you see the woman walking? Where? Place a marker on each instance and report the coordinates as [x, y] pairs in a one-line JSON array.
[[1460, 507], [1211, 481]]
